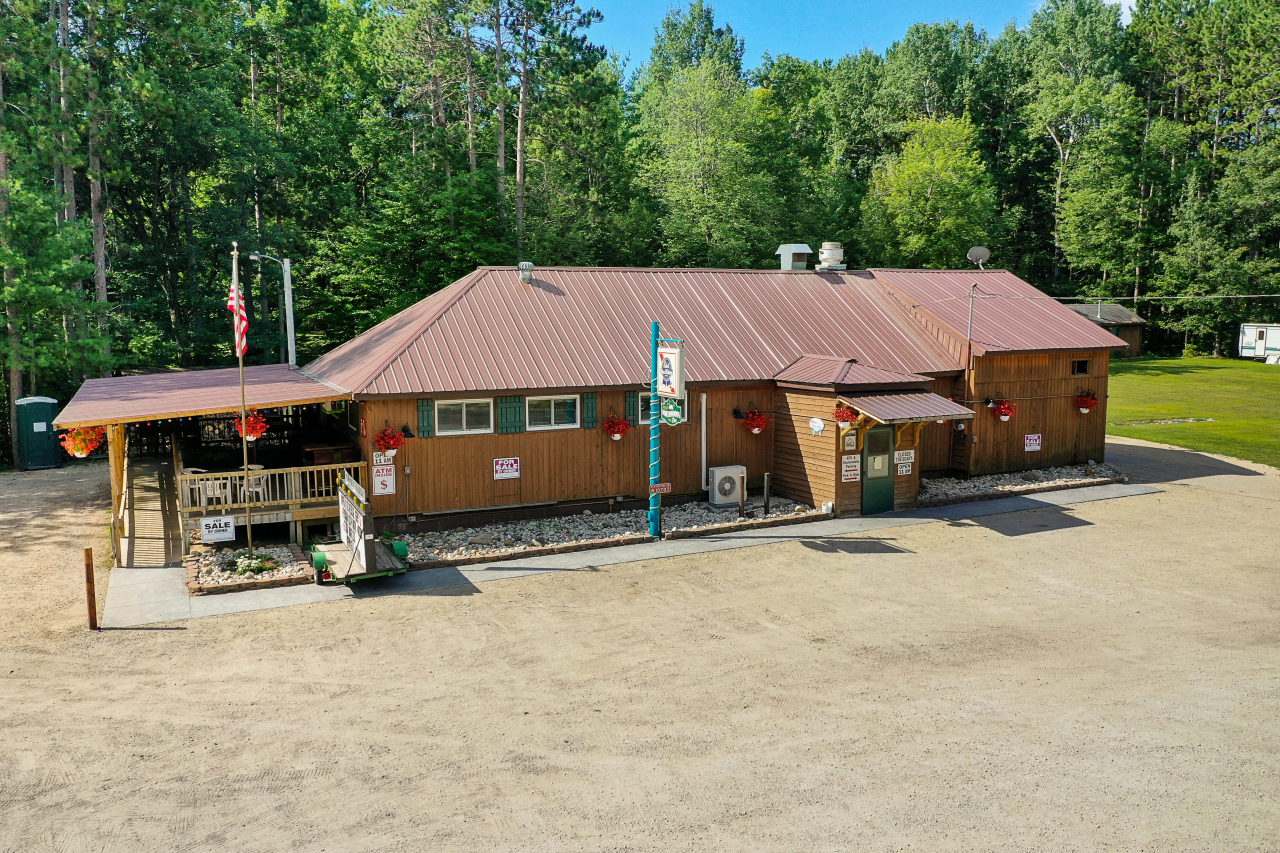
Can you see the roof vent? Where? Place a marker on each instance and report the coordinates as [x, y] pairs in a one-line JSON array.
[[526, 272], [795, 256], [830, 256]]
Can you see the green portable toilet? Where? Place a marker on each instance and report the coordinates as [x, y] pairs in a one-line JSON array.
[[37, 442]]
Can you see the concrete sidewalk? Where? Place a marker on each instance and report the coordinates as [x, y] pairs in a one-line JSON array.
[[142, 596]]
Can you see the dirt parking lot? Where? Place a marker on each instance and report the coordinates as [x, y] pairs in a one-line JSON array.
[[1105, 677]]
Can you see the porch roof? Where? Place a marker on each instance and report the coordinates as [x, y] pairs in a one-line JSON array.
[[189, 393], [907, 407]]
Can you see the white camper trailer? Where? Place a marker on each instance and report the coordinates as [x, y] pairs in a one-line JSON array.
[[1260, 340]]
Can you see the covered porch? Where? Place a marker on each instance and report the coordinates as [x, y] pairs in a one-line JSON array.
[[177, 431]]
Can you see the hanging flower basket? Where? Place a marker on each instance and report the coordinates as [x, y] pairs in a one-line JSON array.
[[755, 420], [1086, 402], [843, 416], [388, 441], [1005, 409], [81, 441], [252, 427], [616, 427]]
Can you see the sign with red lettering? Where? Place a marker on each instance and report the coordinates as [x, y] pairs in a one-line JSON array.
[[384, 479], [659, 488], [507, 468]]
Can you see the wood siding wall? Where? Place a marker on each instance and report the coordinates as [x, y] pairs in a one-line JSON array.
[[804, 464], [1043, 387], [906, 487], [934, 452], [451, 473], [1132, 335]]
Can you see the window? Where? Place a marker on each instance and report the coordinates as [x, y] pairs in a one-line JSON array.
[[459, 417], [1080, 367], [551, 412], [644, 408]]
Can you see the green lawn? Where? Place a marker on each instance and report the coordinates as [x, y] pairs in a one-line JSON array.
[[1242, 398]]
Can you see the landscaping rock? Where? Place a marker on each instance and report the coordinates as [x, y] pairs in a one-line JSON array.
[[995, 485], [217, 569]]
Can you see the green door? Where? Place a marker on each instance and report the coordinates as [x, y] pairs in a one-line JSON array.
[[877, 470], [37, 442]]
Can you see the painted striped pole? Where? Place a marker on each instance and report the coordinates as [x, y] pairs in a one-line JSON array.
[[655, 468]]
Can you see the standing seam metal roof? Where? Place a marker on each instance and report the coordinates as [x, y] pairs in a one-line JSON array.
[[836, 370], [1009, 315], [589, 327]]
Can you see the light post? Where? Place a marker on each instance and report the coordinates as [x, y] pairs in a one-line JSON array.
[[288, 302]]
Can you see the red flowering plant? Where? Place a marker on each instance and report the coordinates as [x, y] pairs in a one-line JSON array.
[[253, 426], [81, 441], [616, 427], [1086, 402], [755, 420], [844, 415], [389, 439], [1005, 408]]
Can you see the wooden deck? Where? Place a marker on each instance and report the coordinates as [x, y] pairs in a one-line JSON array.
[[152, 530]]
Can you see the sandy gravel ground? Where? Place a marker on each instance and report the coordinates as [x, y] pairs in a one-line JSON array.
[[1099, 678]]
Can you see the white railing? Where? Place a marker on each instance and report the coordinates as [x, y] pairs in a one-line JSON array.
[[226, 489]]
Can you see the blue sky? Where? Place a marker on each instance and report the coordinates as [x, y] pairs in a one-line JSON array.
[[809, 29]]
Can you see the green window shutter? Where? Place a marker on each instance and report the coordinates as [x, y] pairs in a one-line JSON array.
[[510, 414], [633, 408], [589, 410], [426, 419]]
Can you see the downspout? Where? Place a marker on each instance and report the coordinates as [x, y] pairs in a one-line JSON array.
[[702, 407]]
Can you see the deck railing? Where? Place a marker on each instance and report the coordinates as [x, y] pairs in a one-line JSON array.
[[305, 485]]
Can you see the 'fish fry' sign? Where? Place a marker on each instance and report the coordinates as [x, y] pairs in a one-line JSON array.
[[670, 372]]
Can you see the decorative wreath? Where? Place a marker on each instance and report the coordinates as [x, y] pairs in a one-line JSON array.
[[81, 441], [253, 426], [389, 439]]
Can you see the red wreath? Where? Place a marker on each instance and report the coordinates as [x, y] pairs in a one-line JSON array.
[[388, 439], [1086, 402], [616, 426], [81, 441], [253, 426]]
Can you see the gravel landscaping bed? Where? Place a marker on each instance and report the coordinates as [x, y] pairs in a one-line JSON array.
[[516, 536], [218, 568], [946, 489]]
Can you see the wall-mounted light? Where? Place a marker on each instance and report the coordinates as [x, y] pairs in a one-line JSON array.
[[406, 432], [959, 426]]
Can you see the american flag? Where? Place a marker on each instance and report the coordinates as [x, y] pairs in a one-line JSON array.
[[235, 304]]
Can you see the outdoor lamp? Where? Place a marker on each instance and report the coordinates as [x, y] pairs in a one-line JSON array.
[[406, 432]]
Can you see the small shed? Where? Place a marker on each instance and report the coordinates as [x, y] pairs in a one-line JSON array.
[[1117, 320]]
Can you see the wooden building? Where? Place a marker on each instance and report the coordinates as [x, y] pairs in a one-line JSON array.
[[502, 387], [1119, 321]]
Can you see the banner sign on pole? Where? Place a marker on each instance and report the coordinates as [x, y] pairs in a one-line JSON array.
[[669, 411], [670, 372]]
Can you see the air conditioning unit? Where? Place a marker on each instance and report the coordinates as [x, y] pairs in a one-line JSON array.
[[725, 485]]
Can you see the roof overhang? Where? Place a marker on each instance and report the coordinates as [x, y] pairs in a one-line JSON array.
[[190, 393], [907, 407]]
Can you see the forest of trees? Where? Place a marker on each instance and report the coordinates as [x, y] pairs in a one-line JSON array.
[[390, 146]]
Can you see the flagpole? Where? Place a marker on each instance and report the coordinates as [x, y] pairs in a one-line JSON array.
[[244, 423]]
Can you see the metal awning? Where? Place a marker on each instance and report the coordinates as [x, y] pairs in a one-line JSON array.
[[907, 408], [189, 393]]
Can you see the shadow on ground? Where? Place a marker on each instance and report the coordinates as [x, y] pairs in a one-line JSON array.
[[1145, 464]]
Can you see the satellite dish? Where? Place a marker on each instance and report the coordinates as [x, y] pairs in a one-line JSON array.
[[979, 255]]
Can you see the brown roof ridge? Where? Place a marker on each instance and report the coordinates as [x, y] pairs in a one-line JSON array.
[[462, 286], [537, 269]]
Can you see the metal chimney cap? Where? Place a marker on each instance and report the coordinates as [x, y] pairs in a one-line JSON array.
[[789, 252], [526, 271]]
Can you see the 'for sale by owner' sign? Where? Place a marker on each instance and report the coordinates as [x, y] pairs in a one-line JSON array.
[[507, 468], [220, 528], [1031, 443]]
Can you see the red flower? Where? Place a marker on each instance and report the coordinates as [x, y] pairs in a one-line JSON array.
[[1086, 401], [755, 420], [844, 415], [81, 441], [615, 425], [388, 439], [1006, 408], [253, 426]]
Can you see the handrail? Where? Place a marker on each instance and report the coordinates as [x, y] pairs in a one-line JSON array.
[[305, 484], [124, 478]]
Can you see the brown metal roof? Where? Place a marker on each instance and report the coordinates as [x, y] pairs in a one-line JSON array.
[[585, 327], [1107, 314], [907, 407], [837, 370], [1009, 315], [156, 396]]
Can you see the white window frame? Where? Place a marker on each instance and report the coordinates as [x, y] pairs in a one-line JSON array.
[[644, 408], [577, 412], [464, 430]]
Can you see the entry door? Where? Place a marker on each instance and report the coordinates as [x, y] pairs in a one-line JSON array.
[[1260, 348], [877, 470]]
